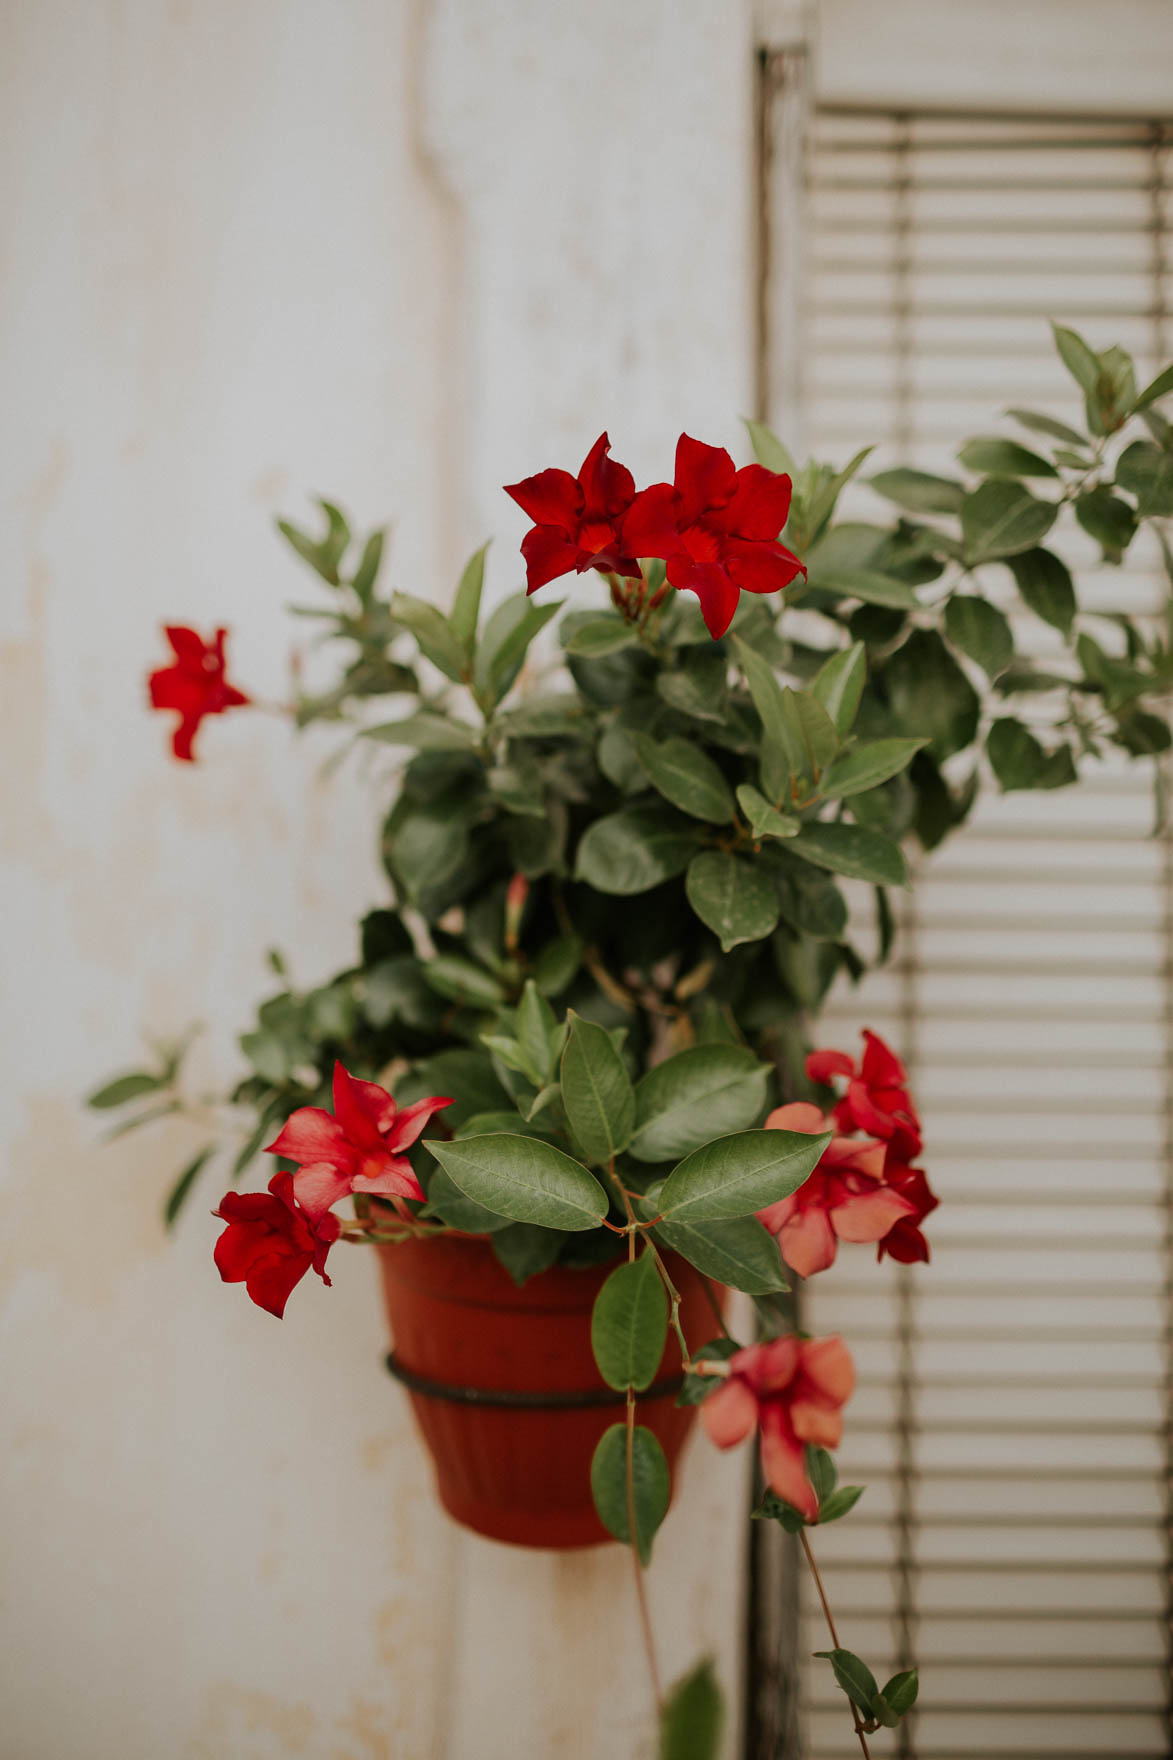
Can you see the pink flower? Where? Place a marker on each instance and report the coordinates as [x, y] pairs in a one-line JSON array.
[[877, 1098], [577, 520], [844, 1199], [358, 1148], [792, 1390], [716, 528], [194, 684], [271, 1242]]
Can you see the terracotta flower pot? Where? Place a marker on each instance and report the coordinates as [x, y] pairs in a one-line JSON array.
[[505, 1389]]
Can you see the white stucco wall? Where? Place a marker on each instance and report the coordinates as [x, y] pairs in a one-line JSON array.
[[398, 256]]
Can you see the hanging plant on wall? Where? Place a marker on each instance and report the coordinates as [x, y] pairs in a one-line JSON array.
[[570, 1088]]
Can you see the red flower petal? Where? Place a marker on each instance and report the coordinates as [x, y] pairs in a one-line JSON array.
[[607, 486], [827, 1362], [821, 1066], [868, 1216], [548, 553], [730, 1414], [759, 568], [784, 1464], [318, 1186], [705, 478], [798, 1115], [650, 525], [396, 1180], [552, 498], [363, 1109], [807, 1242], [412, 1121], [881, 1068], [311, 1135], [760, 505], [273, 1281], [816, 1421], [712, 586]]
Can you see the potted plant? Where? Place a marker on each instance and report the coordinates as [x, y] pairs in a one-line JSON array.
[[568, 1089]]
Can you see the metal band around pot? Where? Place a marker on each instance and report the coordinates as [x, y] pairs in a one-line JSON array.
[[480, 1396]]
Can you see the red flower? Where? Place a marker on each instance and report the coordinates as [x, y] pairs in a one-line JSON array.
[[194, 685], [877, 1098], [905, 1241], [846, 1198], [359, 1148], [792, 1389], [716, 528], [577, 520], [271, 1242]]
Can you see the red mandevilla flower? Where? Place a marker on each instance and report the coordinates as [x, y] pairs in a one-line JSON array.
[[271, 1242], [845, 1199], [577, 520], [360, 1148], [877, 1098], [194, 685], [717, 529], [792, 1389]]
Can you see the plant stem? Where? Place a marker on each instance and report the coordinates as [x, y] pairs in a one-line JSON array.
[[810, 1559], [641, 1594]]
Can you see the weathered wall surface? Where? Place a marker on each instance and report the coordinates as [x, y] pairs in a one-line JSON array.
[[399, 256]]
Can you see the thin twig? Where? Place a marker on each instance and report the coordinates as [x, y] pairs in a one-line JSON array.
[[810, 1559]]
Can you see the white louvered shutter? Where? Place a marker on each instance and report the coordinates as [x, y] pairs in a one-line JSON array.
[[1011, 1420]]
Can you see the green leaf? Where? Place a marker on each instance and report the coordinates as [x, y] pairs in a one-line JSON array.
[[448, 1202], [811, 731], [651, 1486], [538, 1032], [839, 683], [367, 572], [505, 641], [693, 1716], [1000, 517], [853, 851], [1040, 424], [466, 607], [1146, 471], [1108, 519], [697, 1388], [990, 456], [596, 1091], [739, 1175], [182, 1187], [979, 630], [1046, 587], [449, 974], [732, 896], [919, 491], [1081, 361], [557, 963], [1108, 405], [900, 1693], [525, 1250], [601, 635], [706, 1091], [686, 775], [633, 850], [866, 584], [856, 1679], [837, 1503], [1161, 386], [739, 1253], [432, 632], [124, 1088], [323, 554], [766, 693], [629, 1324], [765, 820], [1019, 761], [769, 450], [864, 767], [698, 687], [930, 695], [525, 1179], [428, 731]]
